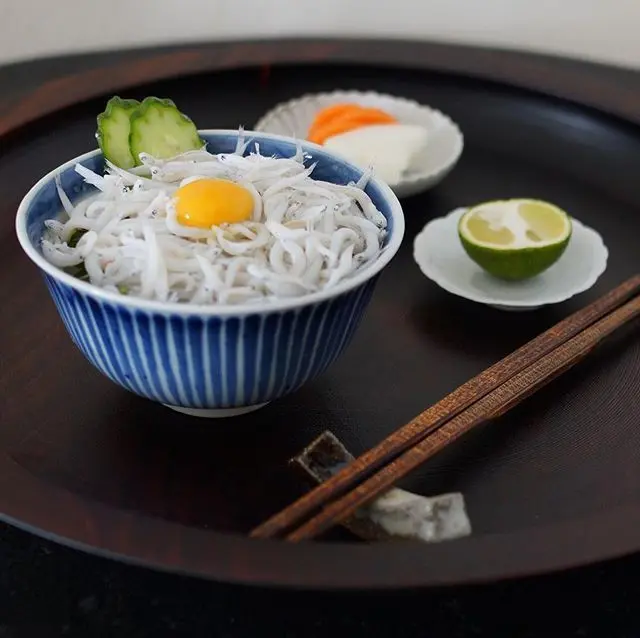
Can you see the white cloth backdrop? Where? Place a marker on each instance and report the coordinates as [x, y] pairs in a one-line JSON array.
[[593, 29]]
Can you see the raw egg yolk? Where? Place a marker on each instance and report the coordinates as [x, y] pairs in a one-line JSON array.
[[210, 202]]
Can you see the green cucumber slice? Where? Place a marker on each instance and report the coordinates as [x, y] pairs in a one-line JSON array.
[[113, 131], [161, 130]]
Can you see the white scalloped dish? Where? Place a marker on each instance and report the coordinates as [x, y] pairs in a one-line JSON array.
[[445, 140], [439, 254]]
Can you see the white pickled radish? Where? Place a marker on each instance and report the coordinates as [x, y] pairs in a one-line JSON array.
[[394, 150]]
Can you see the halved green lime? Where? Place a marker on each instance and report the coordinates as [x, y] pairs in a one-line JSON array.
[[515, 239]]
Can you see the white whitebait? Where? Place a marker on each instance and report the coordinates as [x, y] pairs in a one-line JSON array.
[[304, 235]]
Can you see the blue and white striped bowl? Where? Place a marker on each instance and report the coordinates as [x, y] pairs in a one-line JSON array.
[[208, 360]]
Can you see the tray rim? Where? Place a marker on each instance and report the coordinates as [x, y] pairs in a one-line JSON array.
[[114, 533], [586, 83]]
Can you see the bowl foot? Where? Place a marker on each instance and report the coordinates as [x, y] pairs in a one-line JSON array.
[[216, 413], [514, 308]]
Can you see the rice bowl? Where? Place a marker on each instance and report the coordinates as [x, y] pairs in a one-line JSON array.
[[210, 359]]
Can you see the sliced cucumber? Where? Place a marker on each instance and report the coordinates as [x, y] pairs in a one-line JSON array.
[[113, 131], [161, 130]]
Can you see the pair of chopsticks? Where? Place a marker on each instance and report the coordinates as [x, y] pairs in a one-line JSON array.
[[484, 397]]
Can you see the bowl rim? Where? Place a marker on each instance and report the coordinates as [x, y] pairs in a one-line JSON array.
[[342, 94], [176, 308]]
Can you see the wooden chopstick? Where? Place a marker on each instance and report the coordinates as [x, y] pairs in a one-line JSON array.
[[497, 402], [295, 515]]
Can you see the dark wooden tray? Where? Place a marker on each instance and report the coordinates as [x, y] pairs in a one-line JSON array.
[[552, 485]]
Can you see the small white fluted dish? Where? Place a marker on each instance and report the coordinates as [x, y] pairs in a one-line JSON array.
[[445, 145], [439, 253]]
